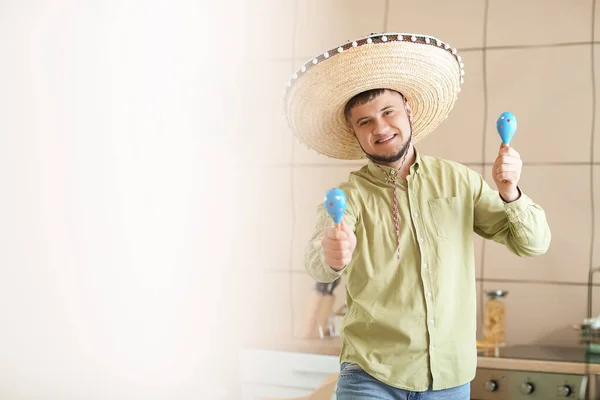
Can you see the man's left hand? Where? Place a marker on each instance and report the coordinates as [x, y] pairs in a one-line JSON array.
[[507, 172]]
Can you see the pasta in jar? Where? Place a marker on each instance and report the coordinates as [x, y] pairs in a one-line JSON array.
[[494, 318]]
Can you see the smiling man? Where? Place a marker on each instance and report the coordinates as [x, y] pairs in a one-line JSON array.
[[406, 240], [381, 121]]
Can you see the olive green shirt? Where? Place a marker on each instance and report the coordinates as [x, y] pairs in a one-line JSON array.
[[414, 318]]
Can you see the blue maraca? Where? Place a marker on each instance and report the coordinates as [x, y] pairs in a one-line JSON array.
[[335, 204], [506, 126]]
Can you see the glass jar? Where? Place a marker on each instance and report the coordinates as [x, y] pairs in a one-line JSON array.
[[494, 317]]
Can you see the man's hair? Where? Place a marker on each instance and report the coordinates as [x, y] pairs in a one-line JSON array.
[[363, 98]]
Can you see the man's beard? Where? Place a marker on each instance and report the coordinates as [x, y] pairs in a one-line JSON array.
[[391, 158]]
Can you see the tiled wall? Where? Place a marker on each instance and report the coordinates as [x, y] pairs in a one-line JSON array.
[[536, 59]]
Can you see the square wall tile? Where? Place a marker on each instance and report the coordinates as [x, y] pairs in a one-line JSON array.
[[596, 244], [263, 131], [549, 90], [535, 22], [458, 22], [541, 313], [595, 293], [597, 24], [268, 315], [323, 25], [302, 155], [269, 28], [266, 217], [596, 148], [310, 186], [564, 194], [303, 297], [460, 136]]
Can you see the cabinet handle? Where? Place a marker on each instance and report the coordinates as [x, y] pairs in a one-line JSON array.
[[301, 372]]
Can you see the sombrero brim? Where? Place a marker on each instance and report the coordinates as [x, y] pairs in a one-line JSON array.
[[425, 70]]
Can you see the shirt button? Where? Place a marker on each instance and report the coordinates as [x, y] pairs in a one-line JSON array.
[[416, 214], [429, 294], [424, 265], [431, 321], [421, 239]]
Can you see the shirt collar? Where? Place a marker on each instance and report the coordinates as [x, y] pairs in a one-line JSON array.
[[376, 169]]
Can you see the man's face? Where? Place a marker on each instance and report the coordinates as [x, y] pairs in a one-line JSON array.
[[383, 126]]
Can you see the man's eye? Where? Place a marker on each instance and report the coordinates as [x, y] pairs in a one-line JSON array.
[[388, 112]]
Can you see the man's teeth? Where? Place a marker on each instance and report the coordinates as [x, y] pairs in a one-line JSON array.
[[385, 140]]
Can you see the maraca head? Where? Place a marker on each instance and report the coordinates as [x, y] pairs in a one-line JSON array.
[[506, 126], [335, 204]]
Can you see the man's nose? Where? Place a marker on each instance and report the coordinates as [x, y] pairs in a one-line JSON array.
[[381, 126]]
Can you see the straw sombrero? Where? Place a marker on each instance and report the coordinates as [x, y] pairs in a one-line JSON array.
[[427, 71]]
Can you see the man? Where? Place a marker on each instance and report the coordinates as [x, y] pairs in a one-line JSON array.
[[405, 241]]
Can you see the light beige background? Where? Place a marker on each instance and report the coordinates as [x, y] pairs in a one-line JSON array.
[[532, 58], [155, 207], [116, 162]]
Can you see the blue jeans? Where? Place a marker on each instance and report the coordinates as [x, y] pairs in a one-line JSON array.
[[355, 384]]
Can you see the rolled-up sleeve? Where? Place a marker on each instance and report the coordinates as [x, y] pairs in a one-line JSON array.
[[521, 225]]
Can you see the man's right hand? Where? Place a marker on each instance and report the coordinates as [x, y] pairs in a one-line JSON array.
[[338, 245]]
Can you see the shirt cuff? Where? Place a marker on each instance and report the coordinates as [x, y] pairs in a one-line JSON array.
[[330, 272], [519, 206]]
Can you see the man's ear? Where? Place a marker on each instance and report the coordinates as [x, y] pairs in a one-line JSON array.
[[349, 124], [408, 110]]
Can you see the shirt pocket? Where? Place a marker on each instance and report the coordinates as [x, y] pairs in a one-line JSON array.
[[445, 214]]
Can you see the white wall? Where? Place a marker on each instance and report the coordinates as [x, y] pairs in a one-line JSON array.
[[116, 135]]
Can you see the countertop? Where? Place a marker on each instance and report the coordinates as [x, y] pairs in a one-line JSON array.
[[330, 346], [526, 358]]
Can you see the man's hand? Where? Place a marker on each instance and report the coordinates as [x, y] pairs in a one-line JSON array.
[[338, 245], [507, 172]]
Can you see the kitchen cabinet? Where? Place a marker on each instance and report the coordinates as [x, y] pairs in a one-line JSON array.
[[289, 368], [263, 392], [284, 374]]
